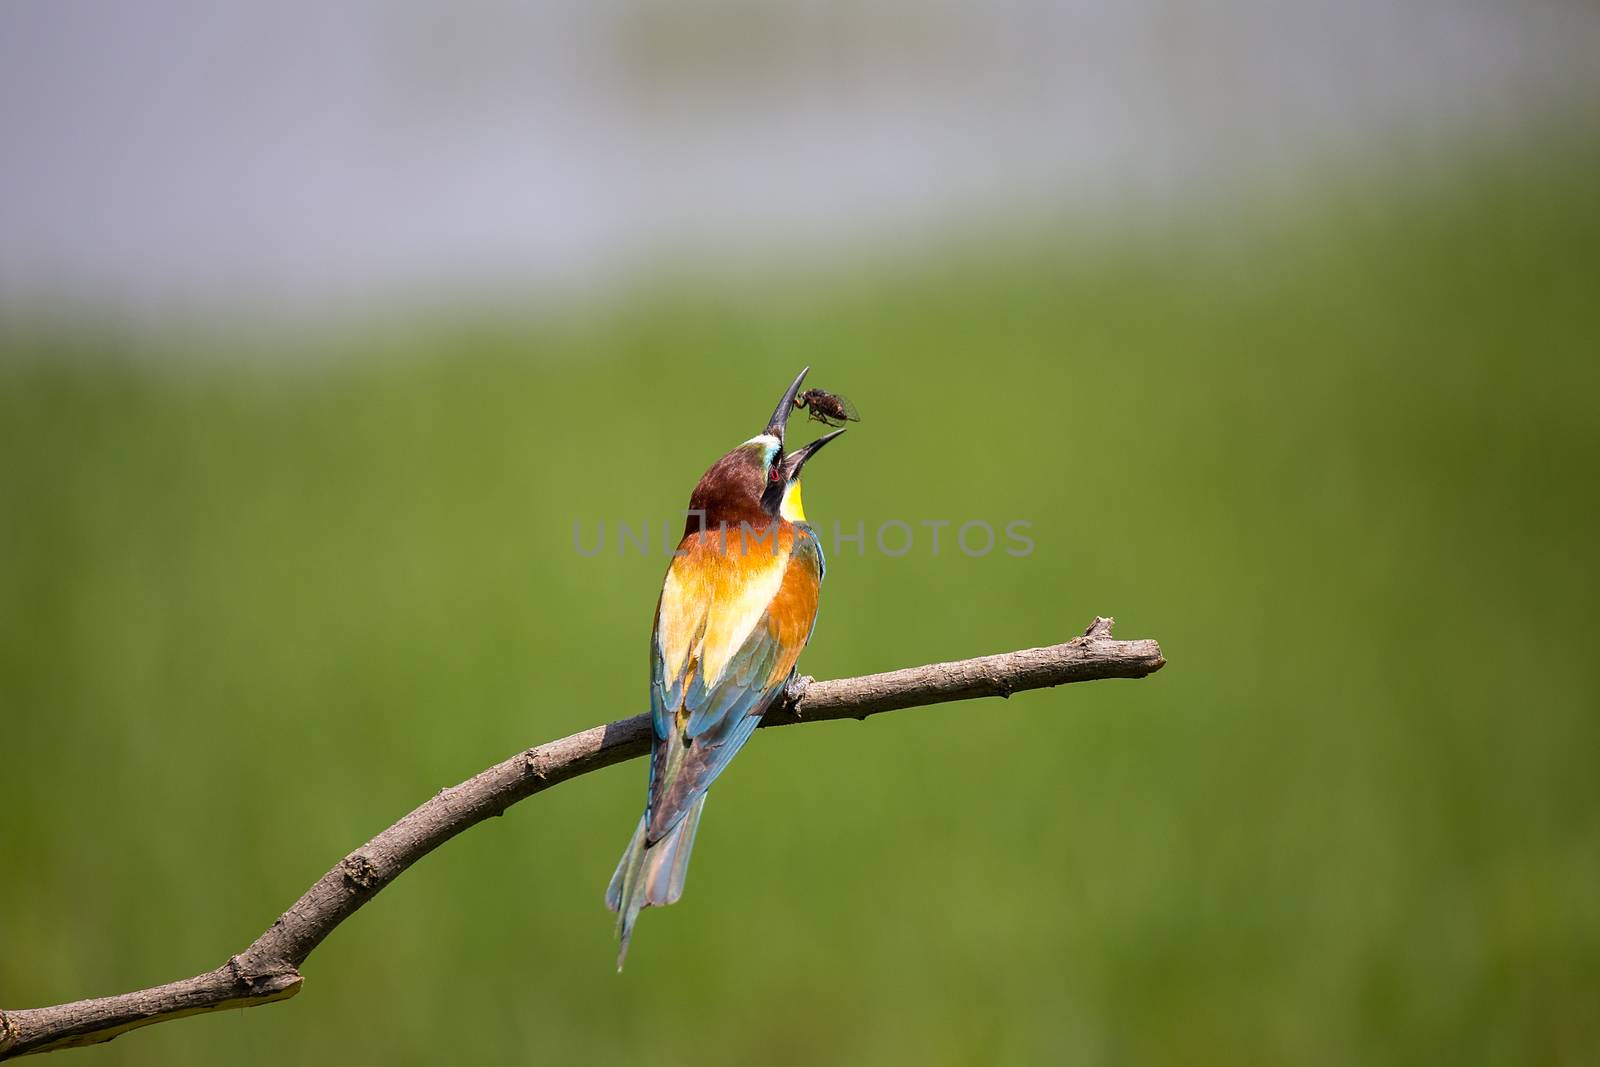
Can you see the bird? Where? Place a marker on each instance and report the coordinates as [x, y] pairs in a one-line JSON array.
[[737, 606]]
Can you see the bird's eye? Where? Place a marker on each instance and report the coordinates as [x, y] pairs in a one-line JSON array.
[[775, 473]]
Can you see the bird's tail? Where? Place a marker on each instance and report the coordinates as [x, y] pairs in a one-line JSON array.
[[651, 875]]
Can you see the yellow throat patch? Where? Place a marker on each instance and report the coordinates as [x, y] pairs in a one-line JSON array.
[[791, 508]]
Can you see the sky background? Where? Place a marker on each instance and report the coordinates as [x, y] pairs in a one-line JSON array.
[[180, 159]]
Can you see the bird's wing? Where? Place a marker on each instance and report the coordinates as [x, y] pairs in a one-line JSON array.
[[729, 628]]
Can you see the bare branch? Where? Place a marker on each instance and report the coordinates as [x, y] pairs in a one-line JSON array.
[[269, 969]]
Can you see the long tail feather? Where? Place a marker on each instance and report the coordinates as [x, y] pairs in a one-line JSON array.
[[651, 875]]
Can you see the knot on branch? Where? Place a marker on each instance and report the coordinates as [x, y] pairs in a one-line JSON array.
[[8, 1033], [533, 760], [274, 980], [795, 692], [358, 871], [1101, 627]]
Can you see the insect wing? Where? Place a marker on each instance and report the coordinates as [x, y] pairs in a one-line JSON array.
[[843, 409]]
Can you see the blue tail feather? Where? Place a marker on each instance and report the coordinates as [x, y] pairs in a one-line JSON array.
[[651, 875]]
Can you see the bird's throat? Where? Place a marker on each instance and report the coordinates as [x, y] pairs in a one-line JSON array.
[[791, 508]]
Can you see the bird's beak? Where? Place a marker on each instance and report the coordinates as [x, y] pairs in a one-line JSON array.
[[780, 416], [797, 459]]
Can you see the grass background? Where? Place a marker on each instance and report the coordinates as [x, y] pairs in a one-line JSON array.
[[1338, 455]]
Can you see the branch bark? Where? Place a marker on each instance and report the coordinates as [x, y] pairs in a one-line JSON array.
[[269, 970]]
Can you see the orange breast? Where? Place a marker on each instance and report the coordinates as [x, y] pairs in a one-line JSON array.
[[723, 585]]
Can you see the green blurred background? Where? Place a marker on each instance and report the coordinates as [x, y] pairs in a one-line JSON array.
[[1336, 450], [1341, 465]]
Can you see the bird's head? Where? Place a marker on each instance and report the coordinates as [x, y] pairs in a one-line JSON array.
[[757, 482]]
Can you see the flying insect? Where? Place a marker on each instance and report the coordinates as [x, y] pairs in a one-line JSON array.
[[830, 409]]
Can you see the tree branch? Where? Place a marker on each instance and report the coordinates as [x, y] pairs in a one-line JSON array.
[[269, 969]]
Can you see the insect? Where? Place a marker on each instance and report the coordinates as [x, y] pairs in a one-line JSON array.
[[830, 409]]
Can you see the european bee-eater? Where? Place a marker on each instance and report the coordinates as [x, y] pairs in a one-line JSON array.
[[737, 606]]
